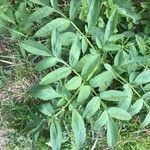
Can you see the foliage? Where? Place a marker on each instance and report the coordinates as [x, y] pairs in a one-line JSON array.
[[94, 59]]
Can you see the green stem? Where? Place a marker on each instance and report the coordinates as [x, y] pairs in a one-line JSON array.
[[103, 104], [68, 102], [91, 45], [135, 91]]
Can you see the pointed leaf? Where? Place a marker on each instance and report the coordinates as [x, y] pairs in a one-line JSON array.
[[111, 25], [143, 77], [75, 52], [119, 113], [56, 75], [54, 3], [56, 44], [113, 95], [90, 67], [74, 83], [112, 133], [111, 47], [74, 9], [125, 103], [101, 81], [60, 24], [93, 13], [101, 121], [136, 107], [43, 92], [84, 93], [141, 44], [46, 109], [146, 96], [67, 38], [46, 63], [91, 108], [55, 135], [40, 13], [78, 128], [35, 48], [84, 45], [146, 121]]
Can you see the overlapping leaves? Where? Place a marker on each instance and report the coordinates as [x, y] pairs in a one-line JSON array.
[[92, 73]]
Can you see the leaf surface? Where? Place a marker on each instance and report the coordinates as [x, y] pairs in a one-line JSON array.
[[60, 24], [78, 128], [56, 75]]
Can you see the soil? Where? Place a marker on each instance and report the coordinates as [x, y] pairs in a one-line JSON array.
[[3, 139]]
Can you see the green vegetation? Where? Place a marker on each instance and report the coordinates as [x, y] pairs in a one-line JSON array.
[[75, 74]]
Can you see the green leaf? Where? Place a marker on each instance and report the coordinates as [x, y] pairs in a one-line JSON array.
[[125, 103], [46, 109], [61, 102], [78, 127], [113, 95], [91, 108], [56, 44], [101, 121], [84, 45], [141, 44], [82, 62], [60, 24], [35, 48], [90, 67], [55, 135], [146, 121], [111, 47], [75, 52], [112, 133], [143, 77], [54, 3], [136, 107], [43, 92], [84, 93], [120, 58], [74, 9], [74, 83], [146, 96], [126, 8], [67, 38], [46, 63], [93, 13], [56, 75], [40, 13], [101, 81], [147, 87], [5, 17], [119, 113], [116, 37], [21, 11], [111, 25]]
